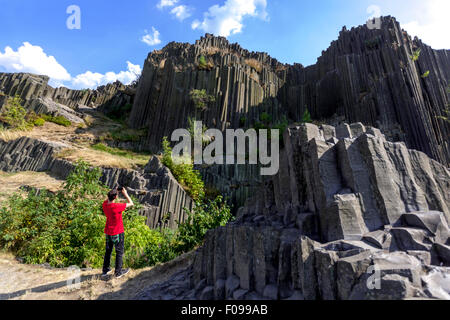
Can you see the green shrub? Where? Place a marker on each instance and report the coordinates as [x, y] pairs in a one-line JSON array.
[[426, 74], [242, 121], [14, 114], [306, 117], [416, 55], [60, 120], [266, 118], [39, 122], [204, 217], [185, 174], [201, 99], [66, 228]]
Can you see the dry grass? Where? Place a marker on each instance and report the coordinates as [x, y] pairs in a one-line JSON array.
[[102, 159], [255, 64], [11, 182], [9, 135], [210, 51]]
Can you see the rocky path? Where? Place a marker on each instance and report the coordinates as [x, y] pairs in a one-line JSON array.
[[19, 281]]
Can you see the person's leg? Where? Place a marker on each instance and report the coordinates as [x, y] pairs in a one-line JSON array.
[[108, 252], [120, 247]]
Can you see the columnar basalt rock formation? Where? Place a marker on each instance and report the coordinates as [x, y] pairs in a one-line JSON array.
[[34, 90], [365, 76], [164, 200], [347, 212]]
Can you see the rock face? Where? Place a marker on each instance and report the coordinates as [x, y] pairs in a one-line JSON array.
[[163, 198], [365, 76], [351, 216], [39, 96]]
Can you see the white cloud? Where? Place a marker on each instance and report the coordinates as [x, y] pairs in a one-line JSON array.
[[94, 79], [166, 3], [151, 39], [429, 21], [228, 19], [181, 12], [32, 59]]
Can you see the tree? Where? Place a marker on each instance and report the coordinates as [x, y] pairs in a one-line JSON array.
[[14, 114]]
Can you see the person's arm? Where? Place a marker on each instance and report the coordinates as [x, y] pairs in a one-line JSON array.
[[125, 194]]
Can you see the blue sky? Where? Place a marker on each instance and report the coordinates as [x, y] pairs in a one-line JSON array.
[[115, 37]]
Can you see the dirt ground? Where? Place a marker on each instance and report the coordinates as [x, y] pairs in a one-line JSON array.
[[36, 282]]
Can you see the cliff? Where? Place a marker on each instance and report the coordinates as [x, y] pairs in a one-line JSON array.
[[365, 76], [34, 89], [348, 210]]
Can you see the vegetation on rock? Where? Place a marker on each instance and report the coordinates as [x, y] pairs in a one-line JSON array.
[[14, 114], [184, 172], [60, 120], [201, 99]]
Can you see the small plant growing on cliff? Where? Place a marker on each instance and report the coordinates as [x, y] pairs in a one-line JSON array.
[[447, 115], [184, 172], [266, 118], [203, 64], [14, 115], [416, 54], [306, 118], [201, 99], [426, 74]]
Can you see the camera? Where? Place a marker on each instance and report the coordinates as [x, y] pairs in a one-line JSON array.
[[120, 189]]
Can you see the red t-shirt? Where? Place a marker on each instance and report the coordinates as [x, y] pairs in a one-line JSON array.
[[113, 213]]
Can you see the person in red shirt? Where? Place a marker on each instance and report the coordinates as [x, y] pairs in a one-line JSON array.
[[114, 231]]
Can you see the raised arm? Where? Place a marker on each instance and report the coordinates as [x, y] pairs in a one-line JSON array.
[[129, 201]]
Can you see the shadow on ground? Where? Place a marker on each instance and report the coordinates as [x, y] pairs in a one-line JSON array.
[[43, 288]]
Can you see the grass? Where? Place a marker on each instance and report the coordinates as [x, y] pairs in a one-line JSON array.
[[104, 156], [120, 152], [11, 182], [124, 134], [57, 120], [10, 135]]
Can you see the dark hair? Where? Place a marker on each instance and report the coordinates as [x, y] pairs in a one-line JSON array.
[[112, 195]]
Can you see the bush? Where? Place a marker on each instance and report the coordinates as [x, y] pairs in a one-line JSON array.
[[66, 228], [60, 120], [201, 99], [185, 174], [39, 122], [204, 217], [14, 114], [306, 117]]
